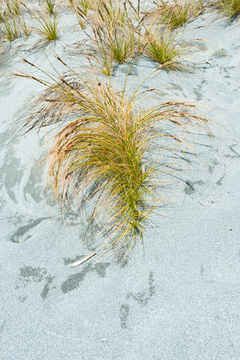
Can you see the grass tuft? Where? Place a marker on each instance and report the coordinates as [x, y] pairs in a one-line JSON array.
[[176, 13], [49, 6], [48, 27], [48, 24], [121, 44], [9, 29], [102, 153], [230, 7], [81, 8], [115, 37], [164, 47], [13, 7]]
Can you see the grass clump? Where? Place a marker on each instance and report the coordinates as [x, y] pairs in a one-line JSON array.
[[197, 7], [101, 156], [176, 13], [118, 44], [12, 21], [115, 37], [83, 5], [49, 6], [1, 16], [230, 7], [9, 29], [81, 8], [26, 30], [13, 7], [164, 47], [48, 27], [112, 13], [10, 24]]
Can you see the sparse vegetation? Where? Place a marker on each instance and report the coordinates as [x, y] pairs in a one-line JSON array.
[[1, 13], [197, 7], [10, 23], [81, 8]]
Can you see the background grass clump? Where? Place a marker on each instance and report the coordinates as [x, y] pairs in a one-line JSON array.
[[164, 47], [116, 39], [230, 7], [176, 13]]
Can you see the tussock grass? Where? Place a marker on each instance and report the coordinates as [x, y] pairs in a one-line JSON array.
[[48, 27], [12, 21], [49, 6], [112, 13], [9, 29], [115, 37], [176, 13], [9, 12], [164, 47], [197, 7], [102, 152], [13, 7], [119, 44], [230, 7], [81, 8], [103, 58], [83, 5]]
